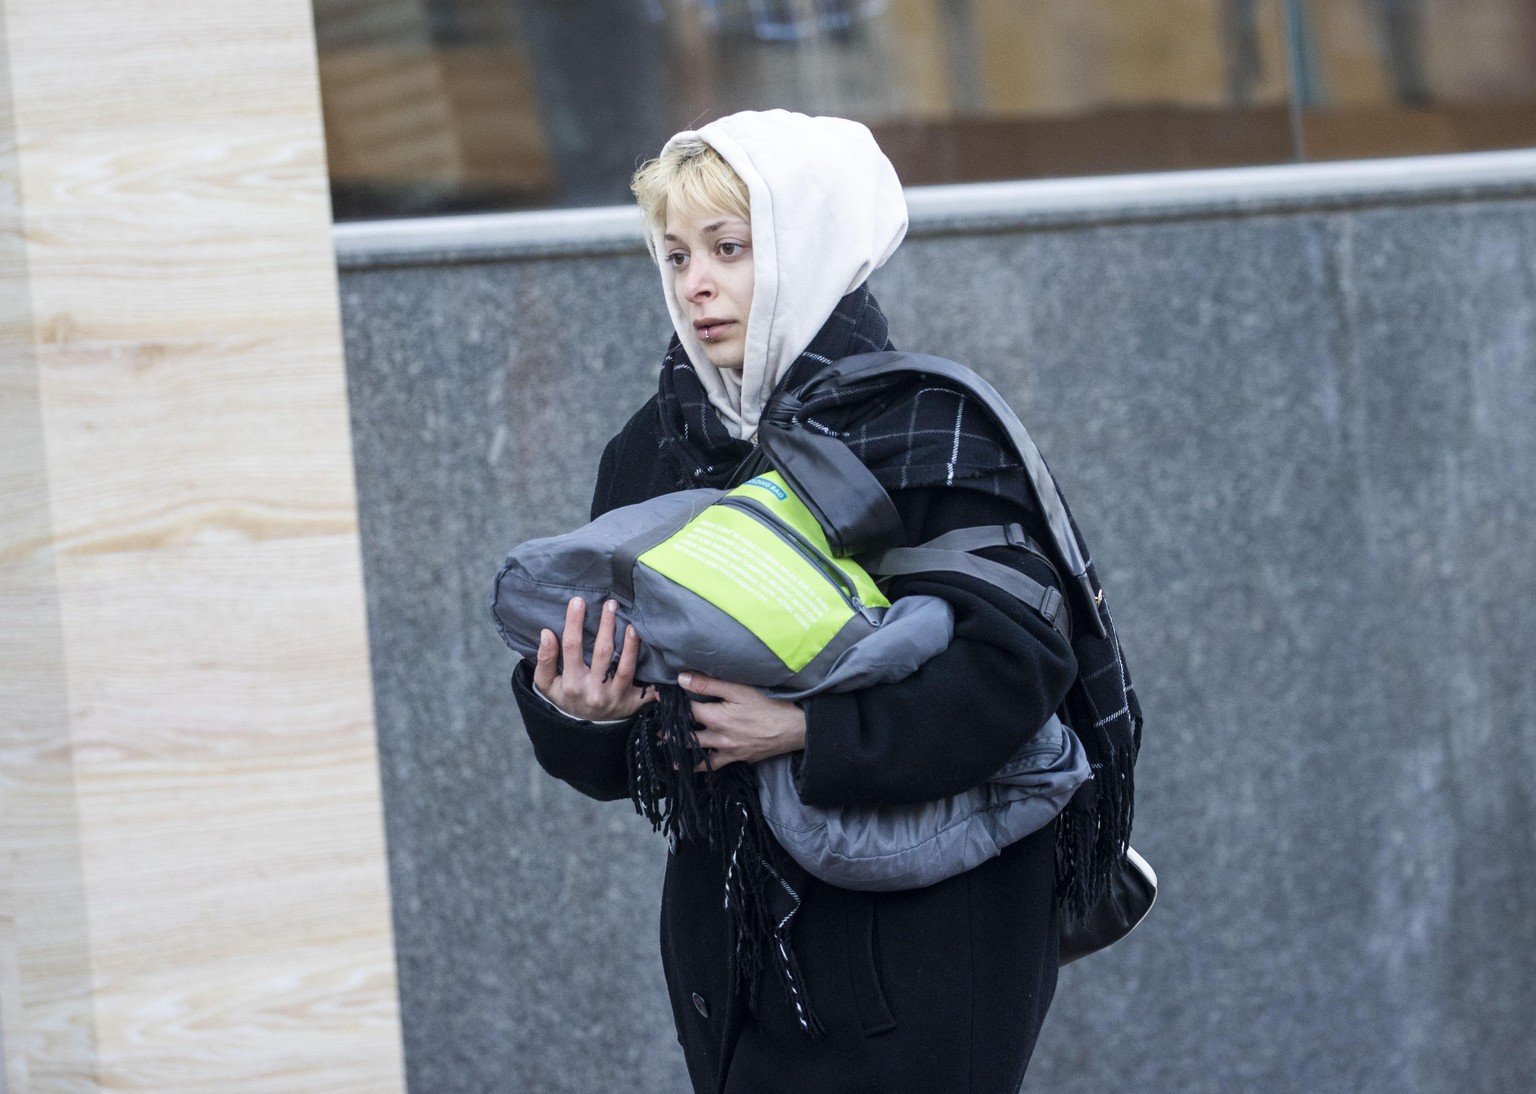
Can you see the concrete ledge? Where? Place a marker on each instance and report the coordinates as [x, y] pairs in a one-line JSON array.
[[986, 206]]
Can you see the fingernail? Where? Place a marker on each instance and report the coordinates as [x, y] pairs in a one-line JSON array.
[[575, 600], [685, 679], [611, 606]]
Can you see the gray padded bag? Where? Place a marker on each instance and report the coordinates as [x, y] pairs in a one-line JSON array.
[[678, 630], [890, 847], [910, 846], [874, 848]]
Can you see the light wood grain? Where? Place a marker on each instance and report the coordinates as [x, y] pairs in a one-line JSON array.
[[191, 837]]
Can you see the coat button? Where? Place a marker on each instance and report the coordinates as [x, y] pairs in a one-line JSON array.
[[700, 1006]]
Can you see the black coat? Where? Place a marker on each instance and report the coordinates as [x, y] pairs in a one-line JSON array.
[[940, 989]]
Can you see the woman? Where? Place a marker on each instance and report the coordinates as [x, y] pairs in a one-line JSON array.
[[765, 227]]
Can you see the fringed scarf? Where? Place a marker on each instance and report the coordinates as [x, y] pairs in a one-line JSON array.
[[721, 809], [1102, 709], [911, 433]]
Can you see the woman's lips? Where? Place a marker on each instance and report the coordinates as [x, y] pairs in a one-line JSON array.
[[711, 330]]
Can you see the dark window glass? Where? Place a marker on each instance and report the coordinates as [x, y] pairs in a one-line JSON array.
[[435, 106], [1409, 77]]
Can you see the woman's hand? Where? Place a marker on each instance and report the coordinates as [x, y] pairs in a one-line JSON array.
[[745, 725], [585, 690]]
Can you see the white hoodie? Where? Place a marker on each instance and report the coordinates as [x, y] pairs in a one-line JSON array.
[[827, 211]]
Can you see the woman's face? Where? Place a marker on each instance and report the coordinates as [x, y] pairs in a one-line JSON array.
[[710, 253]]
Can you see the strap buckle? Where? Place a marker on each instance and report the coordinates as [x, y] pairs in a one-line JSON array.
[[1050, 605]]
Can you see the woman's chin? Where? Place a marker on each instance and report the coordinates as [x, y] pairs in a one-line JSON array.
[[725, 362]]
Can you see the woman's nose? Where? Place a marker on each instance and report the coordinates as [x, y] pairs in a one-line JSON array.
[[698, 281]]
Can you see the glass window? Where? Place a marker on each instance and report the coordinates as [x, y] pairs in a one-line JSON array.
[[435, 106], [1408, 77]]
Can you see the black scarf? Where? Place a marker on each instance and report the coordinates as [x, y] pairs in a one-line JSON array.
[[911, 432]]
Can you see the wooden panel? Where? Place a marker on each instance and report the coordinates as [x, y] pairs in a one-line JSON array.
[[192, 846]]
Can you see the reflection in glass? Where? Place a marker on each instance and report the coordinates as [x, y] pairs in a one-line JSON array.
[[448, 105], [1404, 77]]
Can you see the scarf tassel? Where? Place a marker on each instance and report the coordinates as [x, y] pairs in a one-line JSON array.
[[1092, 835], [721, 809]]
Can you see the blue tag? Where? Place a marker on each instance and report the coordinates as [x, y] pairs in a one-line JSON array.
[[768, 485]]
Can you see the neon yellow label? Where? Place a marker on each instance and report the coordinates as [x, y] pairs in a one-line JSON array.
[[738, 563], [771, 491]]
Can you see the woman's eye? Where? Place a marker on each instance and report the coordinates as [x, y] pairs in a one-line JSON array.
[[676, 259], [730, 250]]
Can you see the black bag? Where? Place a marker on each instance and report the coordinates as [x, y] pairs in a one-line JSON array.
[[1126, 901]]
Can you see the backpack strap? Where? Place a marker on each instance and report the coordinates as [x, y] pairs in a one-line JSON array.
[[987, 535], [867, 366], [626, 554], [843, 495], [950, 553]]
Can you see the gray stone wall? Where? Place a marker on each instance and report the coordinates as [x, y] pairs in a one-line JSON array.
[[1303, 448]]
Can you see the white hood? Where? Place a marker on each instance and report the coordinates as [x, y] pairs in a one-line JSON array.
[[827, 211]]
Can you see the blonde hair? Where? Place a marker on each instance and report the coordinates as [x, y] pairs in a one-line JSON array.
[[692, 175]]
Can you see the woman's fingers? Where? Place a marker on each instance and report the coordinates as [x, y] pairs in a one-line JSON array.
[[602, 645], [746, 725], [715, 716], [544, 666], [716, 751], [562, 672], [629, 656], [572, 642], [699, 684]]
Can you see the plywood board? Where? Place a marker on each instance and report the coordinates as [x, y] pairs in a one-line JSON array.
[[192, 842]]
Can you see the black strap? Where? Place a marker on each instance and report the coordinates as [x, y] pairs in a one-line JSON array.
[[843, 495], [865, 366]]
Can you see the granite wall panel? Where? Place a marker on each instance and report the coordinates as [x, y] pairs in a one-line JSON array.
[[1302, 448]]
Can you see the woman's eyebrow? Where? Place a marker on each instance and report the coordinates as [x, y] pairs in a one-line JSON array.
[[708, 229]]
